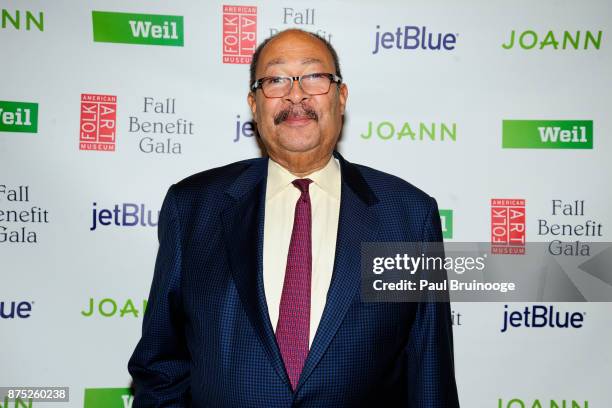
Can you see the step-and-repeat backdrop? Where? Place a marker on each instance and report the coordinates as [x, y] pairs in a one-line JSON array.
[[500, 110]]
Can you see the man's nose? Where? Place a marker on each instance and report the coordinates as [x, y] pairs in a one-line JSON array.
[[296, 94]]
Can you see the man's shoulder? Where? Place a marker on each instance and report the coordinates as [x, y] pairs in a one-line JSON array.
[[218, 178], [387, 186], [209, 189]]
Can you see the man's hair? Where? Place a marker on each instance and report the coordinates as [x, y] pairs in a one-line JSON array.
[[261, 46]]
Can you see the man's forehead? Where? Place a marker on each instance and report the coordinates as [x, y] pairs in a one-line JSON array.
[[284, 61], [294, 47]]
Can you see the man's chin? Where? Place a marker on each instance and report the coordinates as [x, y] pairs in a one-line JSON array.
[[297, 146], [297, 140]]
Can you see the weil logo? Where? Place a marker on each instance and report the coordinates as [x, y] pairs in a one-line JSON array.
[[108, 398], [547, 134], [131, 28], [446, 221], [18, 117]]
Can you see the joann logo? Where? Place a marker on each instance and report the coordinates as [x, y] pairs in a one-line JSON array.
[[15, 310], [17, 18], [415, 131], [547, 134], [446, 220], [239, 34], [413, 38], [18, 117], [123, 215], [538, 316], [108, 398], [98, 122], [507, 226], [108, 307], [529, 40], [130, 28], [541, 403]]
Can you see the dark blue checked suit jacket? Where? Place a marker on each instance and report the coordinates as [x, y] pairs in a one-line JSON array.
[[207, 340]]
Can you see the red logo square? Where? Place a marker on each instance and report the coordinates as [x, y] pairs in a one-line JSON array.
[[98, 122], [239, 34], [508, 226]]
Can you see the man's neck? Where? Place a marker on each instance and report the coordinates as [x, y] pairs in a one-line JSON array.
[[301, 170]]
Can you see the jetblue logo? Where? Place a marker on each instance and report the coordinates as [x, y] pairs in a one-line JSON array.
[[123, 215], [413, 38], [15, 310], [537, 316], [248, 128]]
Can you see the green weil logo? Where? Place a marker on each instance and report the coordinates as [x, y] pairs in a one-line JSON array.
[[446, 220], [18, 117], [547, 134], [130, 28], [108, 398]]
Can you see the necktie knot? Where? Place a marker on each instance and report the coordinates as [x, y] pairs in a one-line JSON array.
[[302, 184]]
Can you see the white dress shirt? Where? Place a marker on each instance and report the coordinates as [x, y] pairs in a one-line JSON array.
[[281, 197]]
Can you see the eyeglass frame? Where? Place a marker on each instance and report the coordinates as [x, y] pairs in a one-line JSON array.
[[258, 83]]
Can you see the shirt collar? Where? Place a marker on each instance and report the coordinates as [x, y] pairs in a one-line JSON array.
[[326, 178]]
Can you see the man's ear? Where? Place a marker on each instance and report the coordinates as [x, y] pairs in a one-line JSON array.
[[342, 95], [252, 104]]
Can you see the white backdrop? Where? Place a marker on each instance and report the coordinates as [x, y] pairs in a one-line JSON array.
[[49, 58]]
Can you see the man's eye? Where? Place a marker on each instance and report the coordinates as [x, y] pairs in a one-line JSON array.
[[315, 76], [275, 80]]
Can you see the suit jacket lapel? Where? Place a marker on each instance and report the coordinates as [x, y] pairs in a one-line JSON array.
[[356, 224], [243, 227]]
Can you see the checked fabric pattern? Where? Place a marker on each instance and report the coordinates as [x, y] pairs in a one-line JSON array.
[[293, 325]]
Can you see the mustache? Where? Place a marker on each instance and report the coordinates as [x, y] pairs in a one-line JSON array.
[[295, 110]]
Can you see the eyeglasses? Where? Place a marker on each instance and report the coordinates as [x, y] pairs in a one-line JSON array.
[[312, 84]]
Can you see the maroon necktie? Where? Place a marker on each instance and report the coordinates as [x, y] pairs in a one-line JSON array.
[[293, 327]]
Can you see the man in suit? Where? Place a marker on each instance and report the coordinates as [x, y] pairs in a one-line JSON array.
[[255, 300]]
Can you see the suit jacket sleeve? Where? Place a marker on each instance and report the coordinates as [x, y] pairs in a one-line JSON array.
[[160, 364], [429, 353]]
